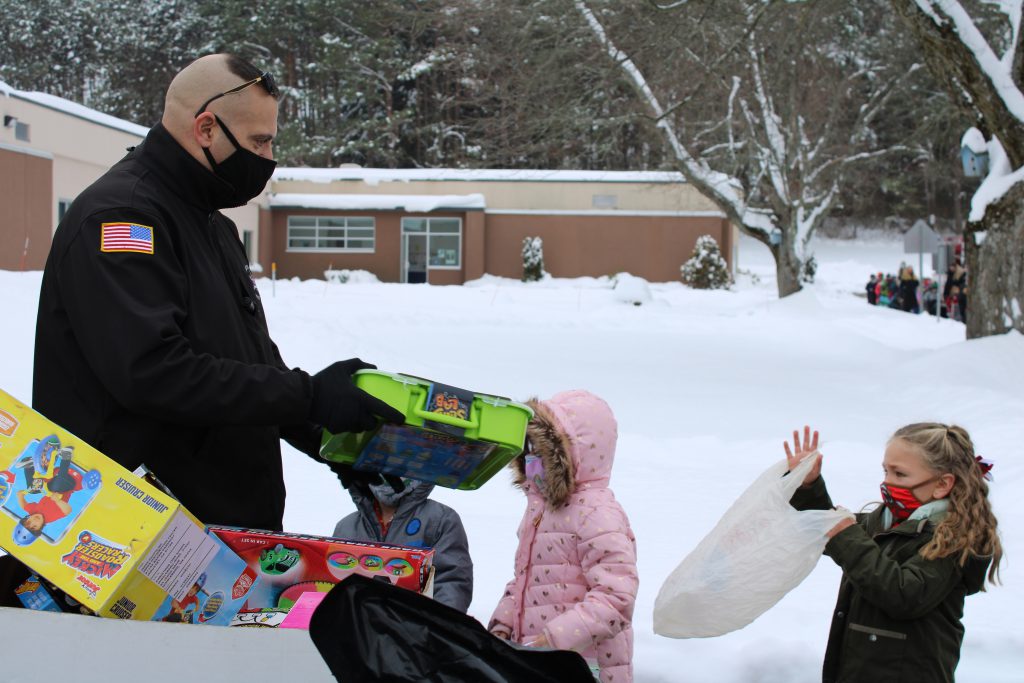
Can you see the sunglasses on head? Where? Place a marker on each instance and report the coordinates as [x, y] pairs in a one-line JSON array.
[[264, 79]]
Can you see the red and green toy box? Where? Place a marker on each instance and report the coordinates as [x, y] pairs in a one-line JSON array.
[[289, 565]]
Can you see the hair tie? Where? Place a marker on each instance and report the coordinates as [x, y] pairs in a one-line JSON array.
[[985, 466]]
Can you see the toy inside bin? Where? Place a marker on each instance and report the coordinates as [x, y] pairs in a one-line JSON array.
[[451, 437]]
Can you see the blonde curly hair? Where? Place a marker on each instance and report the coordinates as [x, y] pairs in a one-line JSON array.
[[969, 528]]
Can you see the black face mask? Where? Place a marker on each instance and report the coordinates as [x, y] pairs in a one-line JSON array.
[[246, 172]]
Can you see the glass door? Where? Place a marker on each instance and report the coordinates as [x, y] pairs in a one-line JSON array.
[[414, 257]]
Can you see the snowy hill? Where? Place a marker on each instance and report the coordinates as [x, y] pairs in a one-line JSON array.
[[705, 386]]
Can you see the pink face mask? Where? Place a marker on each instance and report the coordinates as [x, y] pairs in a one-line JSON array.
[[535, 470]]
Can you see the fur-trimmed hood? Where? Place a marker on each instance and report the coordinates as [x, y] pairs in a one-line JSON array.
[[574, 433]]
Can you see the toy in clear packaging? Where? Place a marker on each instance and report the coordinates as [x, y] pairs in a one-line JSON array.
[[452, 437]]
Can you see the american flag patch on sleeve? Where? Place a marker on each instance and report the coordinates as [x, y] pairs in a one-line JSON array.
[[126, 237]]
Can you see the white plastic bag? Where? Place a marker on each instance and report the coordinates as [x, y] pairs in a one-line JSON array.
[[759, 551]]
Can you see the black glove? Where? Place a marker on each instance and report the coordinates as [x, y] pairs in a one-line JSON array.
[[339, 406]]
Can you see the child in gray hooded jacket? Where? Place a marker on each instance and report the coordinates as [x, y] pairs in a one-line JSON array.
[[409, 517]]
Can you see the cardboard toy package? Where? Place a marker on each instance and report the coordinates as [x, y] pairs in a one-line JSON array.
[[34, 595], [110, 540], [289, 565]]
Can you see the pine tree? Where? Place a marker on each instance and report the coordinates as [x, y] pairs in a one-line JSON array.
[[533, 259], [706, 269]]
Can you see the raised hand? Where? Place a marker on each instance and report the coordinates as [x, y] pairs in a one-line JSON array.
[[804, 449]]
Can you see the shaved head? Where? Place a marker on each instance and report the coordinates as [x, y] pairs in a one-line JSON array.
[[251, 110]]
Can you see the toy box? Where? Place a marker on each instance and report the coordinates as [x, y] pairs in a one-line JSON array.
[[452, 437], [108, 539], [289, 565], [33, 594]]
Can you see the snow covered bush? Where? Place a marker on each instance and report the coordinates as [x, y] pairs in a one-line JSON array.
[[706, 269], [345, 275], [809, 269], [533, 259], [630, 289]]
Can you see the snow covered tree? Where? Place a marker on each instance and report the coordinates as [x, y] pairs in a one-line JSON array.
[[764, 104], [117, 56], [51, 46], [706, 269], [538, 93], [533, 259], [978, 55], [349, 71]]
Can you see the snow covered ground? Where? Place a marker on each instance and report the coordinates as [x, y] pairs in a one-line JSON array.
[[706, 386]]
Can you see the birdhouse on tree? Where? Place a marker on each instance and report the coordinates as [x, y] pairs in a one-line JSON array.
[[974, 153]]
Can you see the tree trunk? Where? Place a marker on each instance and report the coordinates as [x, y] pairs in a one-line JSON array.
[[995, 268], [787, 265], [995, 289]]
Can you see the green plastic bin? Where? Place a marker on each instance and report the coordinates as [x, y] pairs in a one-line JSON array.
[[459, 450]]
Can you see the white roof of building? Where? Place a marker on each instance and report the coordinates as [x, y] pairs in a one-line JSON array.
[[379, 202], [374, 176], [74, 109]]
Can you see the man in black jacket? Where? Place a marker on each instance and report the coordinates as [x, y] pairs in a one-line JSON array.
[[152, 343]]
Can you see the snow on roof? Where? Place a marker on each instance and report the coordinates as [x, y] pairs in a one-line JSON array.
[[374, 176], [379, 202], [74, 109]]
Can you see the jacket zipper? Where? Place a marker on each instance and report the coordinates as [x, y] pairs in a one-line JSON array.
[[518, 626], [246, 301]]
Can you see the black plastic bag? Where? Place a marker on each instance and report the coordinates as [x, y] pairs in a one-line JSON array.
[[372, 631]]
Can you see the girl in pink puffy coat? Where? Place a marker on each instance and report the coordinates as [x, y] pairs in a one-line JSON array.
[[575, 568]]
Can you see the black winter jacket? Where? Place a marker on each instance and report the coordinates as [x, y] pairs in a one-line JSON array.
[[898, 615], [165, 358]]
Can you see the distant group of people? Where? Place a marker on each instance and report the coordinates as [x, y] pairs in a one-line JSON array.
[[901, 292], [895, 291]]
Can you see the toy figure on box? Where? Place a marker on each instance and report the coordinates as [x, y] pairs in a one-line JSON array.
[[48, 470], [408, 517], [184, 610]]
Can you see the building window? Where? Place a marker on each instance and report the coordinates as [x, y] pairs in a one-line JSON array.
[[62, 208], [604, 201], [444, 240], [247, 244], [21, 131], [331, 233]]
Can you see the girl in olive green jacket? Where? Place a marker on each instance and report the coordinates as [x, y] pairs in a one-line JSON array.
[[909, 563]]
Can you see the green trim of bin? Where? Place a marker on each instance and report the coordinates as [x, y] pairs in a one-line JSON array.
[[492, 419]]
